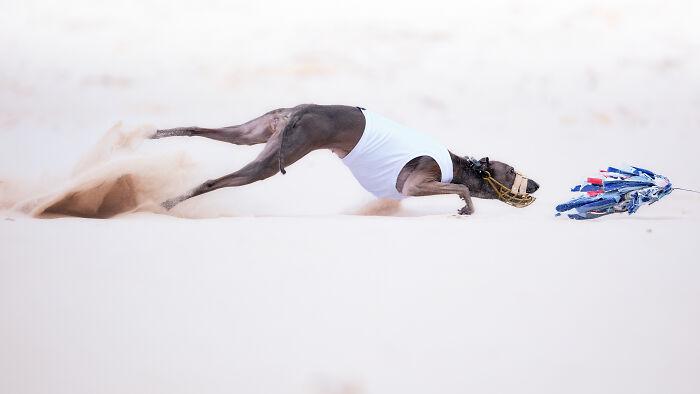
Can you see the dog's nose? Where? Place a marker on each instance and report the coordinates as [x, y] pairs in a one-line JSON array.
[[532, 186]]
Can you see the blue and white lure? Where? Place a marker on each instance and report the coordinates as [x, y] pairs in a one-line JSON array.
[[616, 190]]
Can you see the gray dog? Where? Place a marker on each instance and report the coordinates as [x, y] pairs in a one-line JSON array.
[[388, 159]]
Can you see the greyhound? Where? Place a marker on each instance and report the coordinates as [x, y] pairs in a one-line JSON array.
[[388, 159]]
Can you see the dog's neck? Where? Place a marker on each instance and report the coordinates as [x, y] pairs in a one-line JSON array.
[[463, 174]]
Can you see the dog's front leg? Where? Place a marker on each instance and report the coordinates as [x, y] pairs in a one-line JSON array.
[[430, 188], [468, 207]]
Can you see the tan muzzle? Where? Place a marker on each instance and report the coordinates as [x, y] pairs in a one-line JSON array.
[[516, 196]]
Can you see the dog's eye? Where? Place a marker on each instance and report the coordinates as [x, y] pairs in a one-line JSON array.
[[512, 170]]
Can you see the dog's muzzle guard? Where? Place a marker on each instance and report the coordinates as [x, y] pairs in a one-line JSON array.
[[516, 196]]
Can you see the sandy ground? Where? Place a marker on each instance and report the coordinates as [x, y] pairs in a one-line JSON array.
[[280, 286]]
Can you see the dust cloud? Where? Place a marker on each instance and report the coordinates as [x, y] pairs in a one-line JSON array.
[[112, 178], [379, 207]]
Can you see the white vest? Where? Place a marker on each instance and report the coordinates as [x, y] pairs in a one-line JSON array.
[[383, 151]]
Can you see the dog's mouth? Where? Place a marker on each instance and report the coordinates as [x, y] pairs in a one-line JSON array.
[[516, 196]]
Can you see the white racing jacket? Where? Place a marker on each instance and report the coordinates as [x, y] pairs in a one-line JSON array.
[[385, 148]]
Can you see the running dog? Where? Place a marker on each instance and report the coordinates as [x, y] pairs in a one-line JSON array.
[[388, 159]]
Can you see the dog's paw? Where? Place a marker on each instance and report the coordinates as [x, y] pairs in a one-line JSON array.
[[163, 133], [465, 210], [169, 204], [159, 134]]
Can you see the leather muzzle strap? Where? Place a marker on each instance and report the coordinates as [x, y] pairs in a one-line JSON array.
[[519, 185]]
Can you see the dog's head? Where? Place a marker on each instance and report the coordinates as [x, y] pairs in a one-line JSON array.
[[501, 181]]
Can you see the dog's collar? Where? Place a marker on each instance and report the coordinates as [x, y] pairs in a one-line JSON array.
[[475, 165]]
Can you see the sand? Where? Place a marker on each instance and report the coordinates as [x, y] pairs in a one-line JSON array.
[[110, 179], [304, 283]]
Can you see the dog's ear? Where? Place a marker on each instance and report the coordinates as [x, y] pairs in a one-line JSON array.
[[485, 161]]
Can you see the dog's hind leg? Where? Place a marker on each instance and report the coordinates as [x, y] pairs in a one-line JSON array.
[[256, 131], [298, 143]]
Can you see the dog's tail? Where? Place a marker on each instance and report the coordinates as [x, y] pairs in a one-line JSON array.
[[292, 123]]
